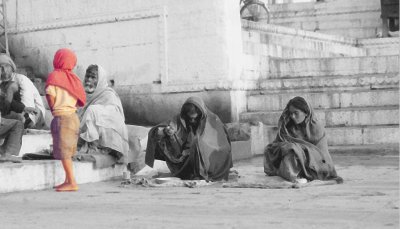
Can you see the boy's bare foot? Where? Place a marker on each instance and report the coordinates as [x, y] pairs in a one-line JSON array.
[[68, 188], [58, 186]]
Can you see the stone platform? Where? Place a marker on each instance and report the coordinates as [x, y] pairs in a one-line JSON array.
[[44, 174], [38, 175]]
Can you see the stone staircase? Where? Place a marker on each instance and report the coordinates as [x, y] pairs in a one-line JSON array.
[[350, 18], [357, 98], [327, 53], [284, 42]]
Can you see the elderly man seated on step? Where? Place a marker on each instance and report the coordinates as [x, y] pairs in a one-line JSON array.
[[103, 134], [19, 98]]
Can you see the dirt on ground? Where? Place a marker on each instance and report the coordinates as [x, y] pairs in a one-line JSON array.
[[368, 198]]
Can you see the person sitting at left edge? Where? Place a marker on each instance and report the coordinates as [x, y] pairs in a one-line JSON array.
[[20, 98], [11, 131]]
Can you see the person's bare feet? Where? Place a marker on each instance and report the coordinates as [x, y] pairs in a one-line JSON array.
[[57, 186], [301, 181], [67, 188]]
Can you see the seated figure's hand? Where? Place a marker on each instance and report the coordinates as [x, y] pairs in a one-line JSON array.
[[169, 130], [160, 132], [186, 152]]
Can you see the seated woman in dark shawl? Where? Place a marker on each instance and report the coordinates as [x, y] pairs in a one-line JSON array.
[[194, 144], [300, 150]]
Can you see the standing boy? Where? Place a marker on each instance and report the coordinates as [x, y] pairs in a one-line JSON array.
[[64, 92]]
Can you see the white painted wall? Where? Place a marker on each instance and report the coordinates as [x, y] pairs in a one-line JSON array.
[[136, 41]]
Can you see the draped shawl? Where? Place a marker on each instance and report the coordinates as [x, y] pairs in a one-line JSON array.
[[104, 118], [308, 142], [210, 147]]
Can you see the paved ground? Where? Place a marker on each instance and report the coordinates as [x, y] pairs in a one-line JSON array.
[[369, 198]]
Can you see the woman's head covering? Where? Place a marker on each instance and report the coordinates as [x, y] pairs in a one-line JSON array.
[[6, 59], [102, 82], [197, 102], [299, 103], [62, 76], [64, 59], [311, 127], [201, 106]]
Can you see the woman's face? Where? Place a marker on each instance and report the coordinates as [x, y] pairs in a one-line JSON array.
[[297, 115]]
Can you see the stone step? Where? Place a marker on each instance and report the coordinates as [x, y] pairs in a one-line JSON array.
[[374, 149], [380, 46], [326, 83], [361, 116], [315, 25], [383, 51], [38, 175], [278, 41], [277, 100], [359, 17], [364, 32], [35, 141], [363, 135], [262, 135], [333, 66], [341, 18], [379, 42], [324, 7]]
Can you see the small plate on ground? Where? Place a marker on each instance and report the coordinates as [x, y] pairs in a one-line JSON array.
[[163, 180]]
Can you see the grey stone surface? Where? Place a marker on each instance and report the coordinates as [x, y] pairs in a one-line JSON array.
[[337, 117], [333, 66], [238, 131], [337, 98], [337, 136], [368, 198]]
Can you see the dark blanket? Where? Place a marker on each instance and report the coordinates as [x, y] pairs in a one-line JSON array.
[[205, 154], [307, 142]]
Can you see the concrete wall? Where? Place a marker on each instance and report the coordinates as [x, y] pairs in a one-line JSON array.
[[164, 46]]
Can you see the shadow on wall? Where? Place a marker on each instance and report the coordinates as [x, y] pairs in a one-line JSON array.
[[152, 109]]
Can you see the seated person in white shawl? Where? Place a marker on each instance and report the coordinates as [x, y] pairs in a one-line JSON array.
[[103, 133], [19, 97]]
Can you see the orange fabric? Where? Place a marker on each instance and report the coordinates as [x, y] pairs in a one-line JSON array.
[[62, 76]]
